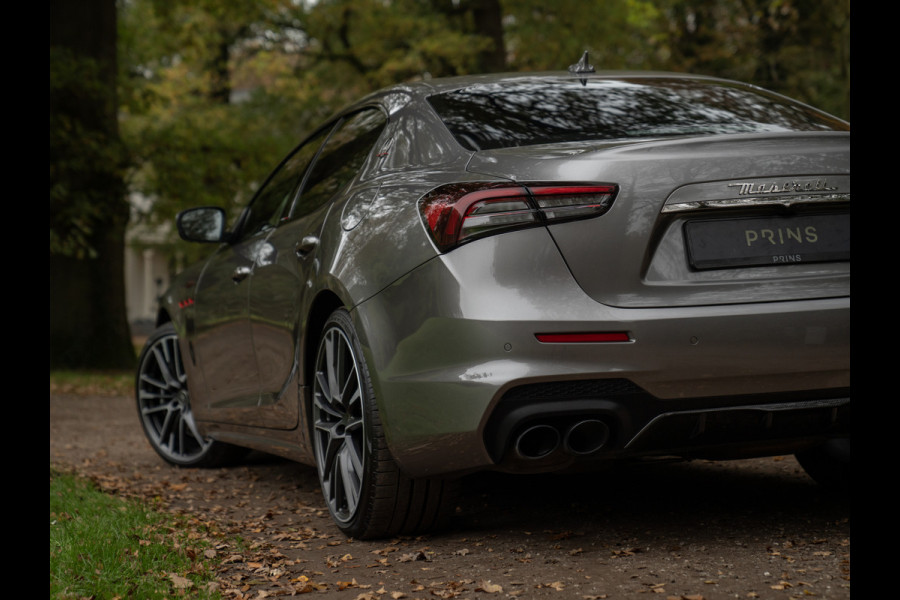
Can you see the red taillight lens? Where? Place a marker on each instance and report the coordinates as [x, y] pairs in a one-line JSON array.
[[459, 212]]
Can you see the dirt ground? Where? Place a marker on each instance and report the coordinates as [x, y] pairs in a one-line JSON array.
[[698, 530]]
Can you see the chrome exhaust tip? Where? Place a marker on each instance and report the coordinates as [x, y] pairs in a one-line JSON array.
[[537, 441], [586, 437]]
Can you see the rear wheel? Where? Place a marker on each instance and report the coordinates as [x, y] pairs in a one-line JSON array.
[[366, 493], [164, 405], [828, 463]]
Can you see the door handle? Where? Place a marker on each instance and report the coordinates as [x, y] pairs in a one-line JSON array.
[[241, 273], [306, 245]]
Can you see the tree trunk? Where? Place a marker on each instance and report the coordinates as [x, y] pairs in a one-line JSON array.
[[88, 210], [488, 17]]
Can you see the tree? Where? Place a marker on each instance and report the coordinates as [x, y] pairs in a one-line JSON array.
[[800, 48], [88, 211], [618, 34], [291, 65], [185, 63]]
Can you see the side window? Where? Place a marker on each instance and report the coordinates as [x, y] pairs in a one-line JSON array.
[[275, 196], [341, 158]]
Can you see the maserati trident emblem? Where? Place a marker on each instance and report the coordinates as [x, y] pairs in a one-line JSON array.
[[786, 187]]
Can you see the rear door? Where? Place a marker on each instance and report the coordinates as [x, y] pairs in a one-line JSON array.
[[223, 342], [281, 286]]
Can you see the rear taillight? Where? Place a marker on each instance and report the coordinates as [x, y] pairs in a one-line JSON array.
[[460, 212]]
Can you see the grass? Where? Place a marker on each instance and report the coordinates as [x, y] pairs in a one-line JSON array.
[[104, 547], [92, 383]]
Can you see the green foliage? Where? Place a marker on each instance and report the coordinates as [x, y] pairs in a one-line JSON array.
[[87, 162], [92, 383], [290, 65], [800, 48], [214, 93], [389, 42], [552, 35], [105, 547]]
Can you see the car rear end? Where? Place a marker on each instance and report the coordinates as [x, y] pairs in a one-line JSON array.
[[676, 284]]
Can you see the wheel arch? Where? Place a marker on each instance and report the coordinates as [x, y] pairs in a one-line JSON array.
[[325, 303], [162, 317]]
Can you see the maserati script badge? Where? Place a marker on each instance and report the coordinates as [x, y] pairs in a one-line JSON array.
[[811, 185]]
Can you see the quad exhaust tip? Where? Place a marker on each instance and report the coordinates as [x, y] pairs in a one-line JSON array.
[[580, 439], [537, 441], [586, 437]]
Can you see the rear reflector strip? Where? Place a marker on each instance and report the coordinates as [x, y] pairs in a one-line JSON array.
[[582, 338]]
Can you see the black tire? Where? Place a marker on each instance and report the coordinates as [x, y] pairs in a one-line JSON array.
[[164, 407], [366, 493], [828, 464]]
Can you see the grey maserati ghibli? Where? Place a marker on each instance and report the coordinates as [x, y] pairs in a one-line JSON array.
[[525, 273]]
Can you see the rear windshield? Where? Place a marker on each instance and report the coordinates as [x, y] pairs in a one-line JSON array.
[[502, 115]]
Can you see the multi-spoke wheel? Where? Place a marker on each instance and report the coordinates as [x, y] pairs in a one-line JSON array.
[[365, 491], [338, 418], [164, 405]]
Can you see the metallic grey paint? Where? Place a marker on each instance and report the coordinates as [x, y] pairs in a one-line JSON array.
[[447, 335]]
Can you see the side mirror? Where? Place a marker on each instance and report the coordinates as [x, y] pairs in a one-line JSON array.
[[202, 224]]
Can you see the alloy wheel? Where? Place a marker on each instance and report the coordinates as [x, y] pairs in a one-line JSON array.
[[339, 427], [164, 403]]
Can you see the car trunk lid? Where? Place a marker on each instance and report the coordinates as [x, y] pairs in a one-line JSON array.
[[682, 202]]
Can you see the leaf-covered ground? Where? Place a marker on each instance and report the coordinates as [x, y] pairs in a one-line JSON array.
[[700, 530]]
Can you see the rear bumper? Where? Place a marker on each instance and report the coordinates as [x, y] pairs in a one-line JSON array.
[[537, 426], [451, 345]]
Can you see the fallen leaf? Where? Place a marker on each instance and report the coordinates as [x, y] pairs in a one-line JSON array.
[[488, 587], [556, 585], [180, 583]]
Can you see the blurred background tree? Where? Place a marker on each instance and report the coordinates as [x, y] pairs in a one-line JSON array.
[[213, 93], [88, 211]]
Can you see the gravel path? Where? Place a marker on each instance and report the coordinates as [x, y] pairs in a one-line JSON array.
[[699, 530]]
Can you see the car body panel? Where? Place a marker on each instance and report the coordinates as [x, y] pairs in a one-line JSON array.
[[436, 395], [449, 336], [649, 269], [222, 338]]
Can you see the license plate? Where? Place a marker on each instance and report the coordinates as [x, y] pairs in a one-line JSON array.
[[747, 242]]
